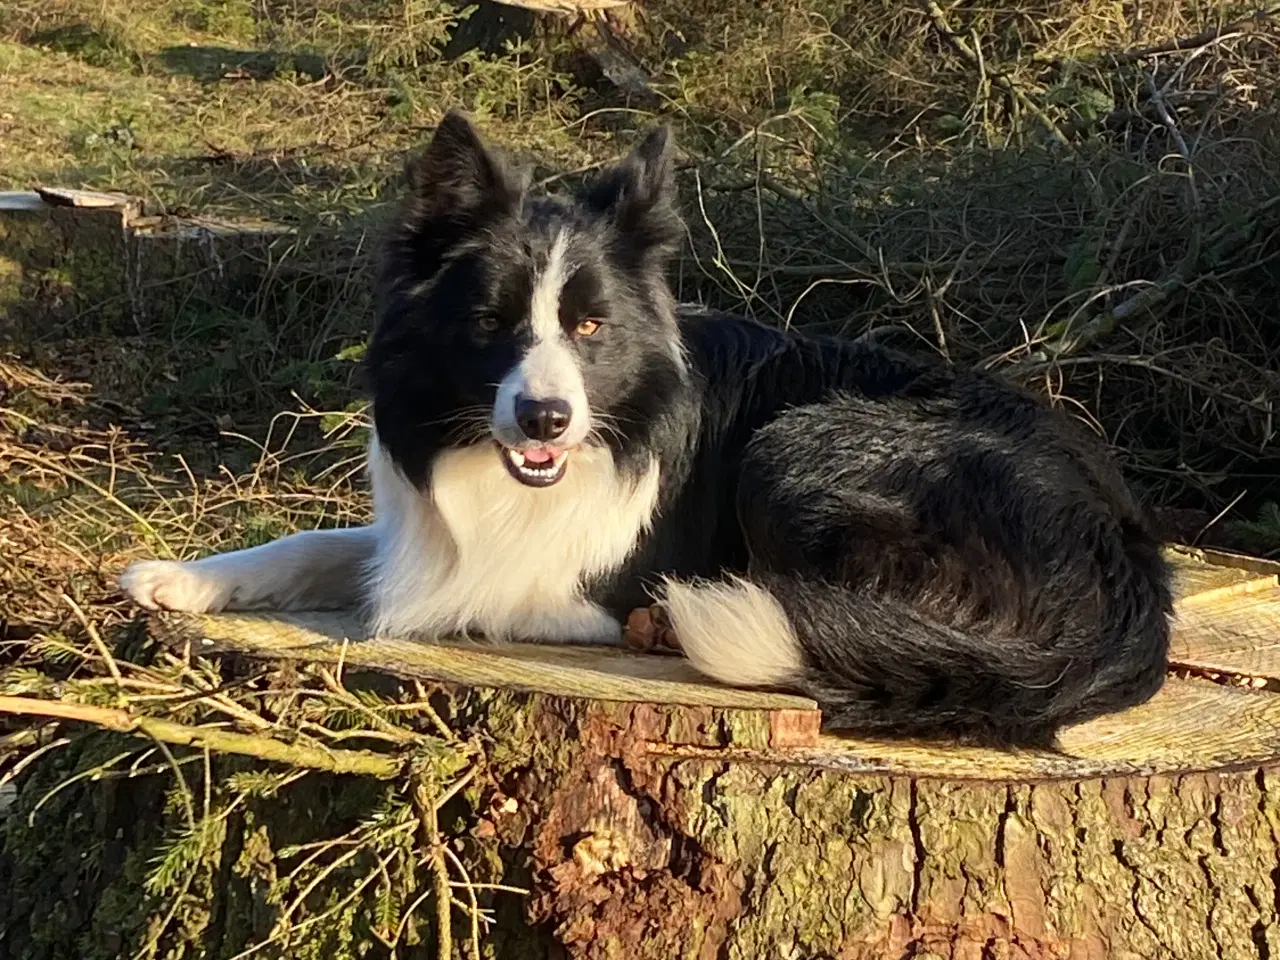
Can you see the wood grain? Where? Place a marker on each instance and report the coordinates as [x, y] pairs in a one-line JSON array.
[[1228, 615]]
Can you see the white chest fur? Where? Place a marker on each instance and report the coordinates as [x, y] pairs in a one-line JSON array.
[[481, 553]]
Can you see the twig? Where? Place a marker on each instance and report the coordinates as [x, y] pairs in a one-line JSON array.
[[340, 693], [504, 887], [1200, 39], [184, 791], [424, 704], [214, 697], [1195, 541], [153, 941], [474, 909], [565, 7], [359, 762], [1139, 362], [426, 802], [1000, 80], [97, 642], [1166, 118], [73, 475], [311, 921], [25, 738], [30, 758], [1071, 340], [92, 773], [284, 920]]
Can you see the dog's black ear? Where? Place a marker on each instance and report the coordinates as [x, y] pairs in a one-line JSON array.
[[639, 195], [457, 177]]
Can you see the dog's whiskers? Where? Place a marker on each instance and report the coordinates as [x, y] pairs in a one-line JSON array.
[[598, 430], [471, 413]]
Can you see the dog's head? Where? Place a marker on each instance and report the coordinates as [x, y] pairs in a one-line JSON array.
[[527, 322]]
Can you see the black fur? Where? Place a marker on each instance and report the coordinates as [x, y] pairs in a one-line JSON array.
[[955, 557]]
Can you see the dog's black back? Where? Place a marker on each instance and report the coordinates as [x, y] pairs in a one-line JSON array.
[[953, 554], [923, 550]]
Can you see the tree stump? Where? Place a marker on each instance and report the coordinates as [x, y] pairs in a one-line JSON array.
[[662, 816]]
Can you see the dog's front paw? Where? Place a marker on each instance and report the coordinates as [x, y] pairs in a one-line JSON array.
[[648, 629], [170, 585]]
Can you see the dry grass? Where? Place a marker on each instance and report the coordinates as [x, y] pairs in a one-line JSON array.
[[79, 501], [1124, 260]]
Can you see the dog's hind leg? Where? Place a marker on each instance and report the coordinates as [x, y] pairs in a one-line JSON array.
[[309, 570]]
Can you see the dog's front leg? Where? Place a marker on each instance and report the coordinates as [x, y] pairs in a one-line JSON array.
[[309, 570], [580, 623]]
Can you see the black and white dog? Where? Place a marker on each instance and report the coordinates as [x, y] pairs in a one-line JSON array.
[[925, 551]]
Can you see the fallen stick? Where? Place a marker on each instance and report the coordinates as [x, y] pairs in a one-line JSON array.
[[359, 762]]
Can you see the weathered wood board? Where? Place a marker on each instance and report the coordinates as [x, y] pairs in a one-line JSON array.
[[1228, 616], [1227, 626]]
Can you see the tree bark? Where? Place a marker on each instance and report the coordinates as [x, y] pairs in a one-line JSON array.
[[671, 853]]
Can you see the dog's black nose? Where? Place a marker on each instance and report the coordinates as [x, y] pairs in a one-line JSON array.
[[542, 420]]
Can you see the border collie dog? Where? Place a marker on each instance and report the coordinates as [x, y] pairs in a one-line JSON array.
[[925, 551]]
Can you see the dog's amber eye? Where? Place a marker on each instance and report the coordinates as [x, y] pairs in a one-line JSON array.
[[587, 327], [487, 323]]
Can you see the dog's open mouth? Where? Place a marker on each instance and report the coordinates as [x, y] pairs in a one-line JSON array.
[[536, 466]]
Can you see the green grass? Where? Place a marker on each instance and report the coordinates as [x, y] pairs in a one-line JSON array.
[[207, 106]]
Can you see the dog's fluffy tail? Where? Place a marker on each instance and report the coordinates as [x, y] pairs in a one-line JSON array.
[[876, 664]]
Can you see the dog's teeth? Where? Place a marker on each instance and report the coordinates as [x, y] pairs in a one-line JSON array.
[[541, 471]]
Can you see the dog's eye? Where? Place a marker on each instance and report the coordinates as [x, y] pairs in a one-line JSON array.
[[587, 327], [487, 323]]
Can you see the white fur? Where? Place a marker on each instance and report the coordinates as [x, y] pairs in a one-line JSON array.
[[478, 552], [315, 568], [549, 369], [484, 553], [735, 632], [544, 304]]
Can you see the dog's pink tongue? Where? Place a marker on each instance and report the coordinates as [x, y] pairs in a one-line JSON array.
[[538, 455]]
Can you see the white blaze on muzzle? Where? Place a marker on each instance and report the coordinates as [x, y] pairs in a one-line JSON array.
[[549, 369]]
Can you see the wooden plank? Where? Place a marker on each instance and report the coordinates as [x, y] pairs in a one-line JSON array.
[[1227, 615], [596, 673], [1194, 580], [1189, 726], [608, 674], [88, 199], [1198, 573], [1228, 622], [1237, 635]]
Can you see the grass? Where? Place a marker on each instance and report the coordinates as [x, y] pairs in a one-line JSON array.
[[1087, 203], [205, 105]]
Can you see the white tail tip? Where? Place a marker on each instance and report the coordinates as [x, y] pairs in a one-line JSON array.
[[734, 632]]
